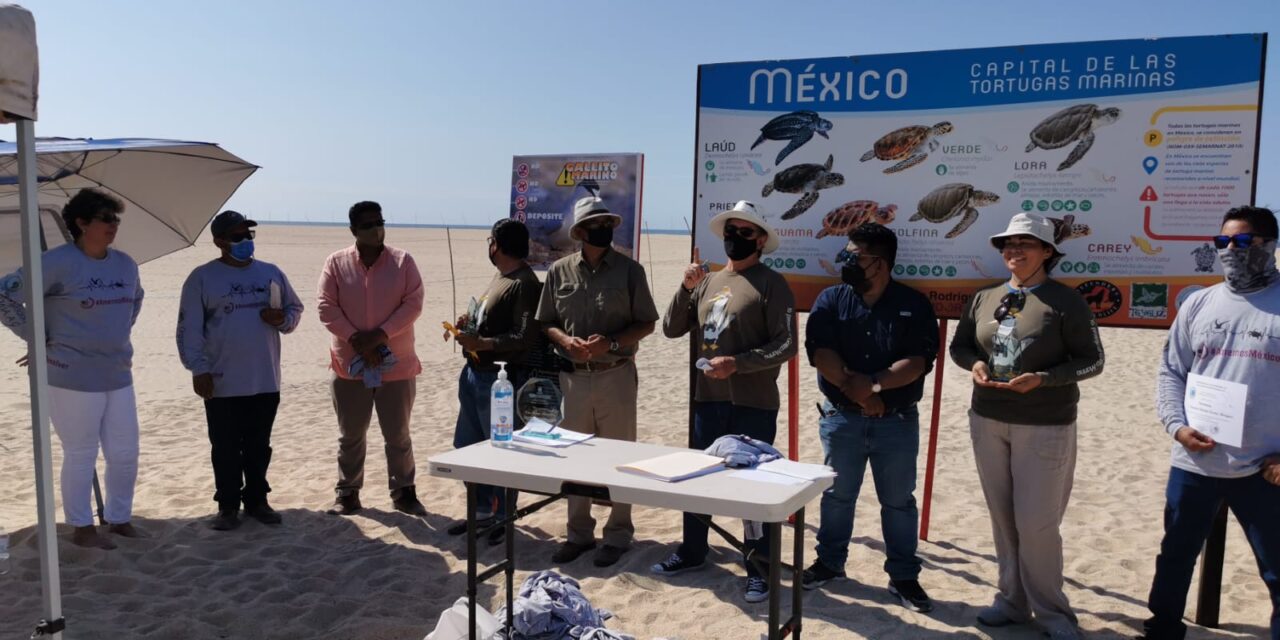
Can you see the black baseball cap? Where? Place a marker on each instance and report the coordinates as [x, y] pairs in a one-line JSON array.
[[227, 220]]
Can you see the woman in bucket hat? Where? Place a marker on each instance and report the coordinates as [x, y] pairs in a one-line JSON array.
[[1028, 342]]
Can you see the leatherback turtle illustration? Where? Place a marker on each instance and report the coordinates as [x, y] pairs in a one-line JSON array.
[[1204, 255], [1065, 228], [797, 127], [951, 200], [911, 145], [851, 215], [1069, 125], [807, 179]]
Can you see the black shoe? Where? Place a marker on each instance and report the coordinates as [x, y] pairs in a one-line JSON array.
[[346, 504], [262, 512], [818, 574], [675, 565], [226, 520], [607, 556], [911, 594], [497, 536], [569, 551], [406, 501]]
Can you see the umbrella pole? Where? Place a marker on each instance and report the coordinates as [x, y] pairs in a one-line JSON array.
[[453, 281], [38, 369]]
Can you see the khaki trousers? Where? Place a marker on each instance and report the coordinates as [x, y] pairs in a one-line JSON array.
[[1026, 473], [354, 404], [602, 403]]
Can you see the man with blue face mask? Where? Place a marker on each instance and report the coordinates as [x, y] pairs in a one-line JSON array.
[[232, 313], [1229, 332]]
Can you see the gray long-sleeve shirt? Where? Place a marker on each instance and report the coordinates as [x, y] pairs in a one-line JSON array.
[[221, 332], [1232, 337], [90, 307]]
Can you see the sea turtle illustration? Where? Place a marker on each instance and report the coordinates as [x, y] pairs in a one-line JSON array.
[[911, 145], [797, 127], [1147, 297], [806, 179], [851, 215], [1064, 229], [1069, 125], [1204, 255], [951, 200]]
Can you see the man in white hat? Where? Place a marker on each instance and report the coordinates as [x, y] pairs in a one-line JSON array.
[[742, 317], [595, 308]]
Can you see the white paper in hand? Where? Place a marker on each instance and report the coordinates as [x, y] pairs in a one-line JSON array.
[[703, 364], [276, 303]]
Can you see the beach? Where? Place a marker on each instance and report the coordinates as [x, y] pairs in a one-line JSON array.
[[385, 575]]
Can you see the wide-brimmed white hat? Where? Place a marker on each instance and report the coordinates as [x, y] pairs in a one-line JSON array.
[[591, 208], [746, 212], [1028, 224]]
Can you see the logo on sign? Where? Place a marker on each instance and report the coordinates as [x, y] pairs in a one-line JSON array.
[[1104, 298], [522, 170], [1148, 195], [522, 186], [521, 202], [1149, 301]]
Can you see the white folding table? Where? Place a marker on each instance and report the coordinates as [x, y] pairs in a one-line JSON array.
[[589, 469]]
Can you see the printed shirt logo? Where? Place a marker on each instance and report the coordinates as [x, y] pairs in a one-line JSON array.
[[244, 295], [100, 286], [718, 319]]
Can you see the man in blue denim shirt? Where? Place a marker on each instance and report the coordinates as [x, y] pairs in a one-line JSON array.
[[872, 340]]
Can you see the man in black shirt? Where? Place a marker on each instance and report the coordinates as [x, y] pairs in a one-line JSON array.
[[872, 340]]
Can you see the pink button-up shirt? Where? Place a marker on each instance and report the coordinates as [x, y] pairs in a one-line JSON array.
[[386, 296]]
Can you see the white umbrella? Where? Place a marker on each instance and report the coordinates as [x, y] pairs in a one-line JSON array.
[[171, 189]]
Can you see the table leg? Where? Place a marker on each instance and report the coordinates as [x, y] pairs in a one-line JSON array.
[[471, 560], [511, 557], [775, 578], [797, 574]]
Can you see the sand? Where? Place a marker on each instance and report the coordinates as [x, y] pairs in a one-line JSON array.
[[382, 574]]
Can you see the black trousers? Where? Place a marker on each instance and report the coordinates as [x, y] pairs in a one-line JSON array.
[[240, 432]]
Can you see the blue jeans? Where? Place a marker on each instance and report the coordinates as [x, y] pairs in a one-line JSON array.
[[473, 426], [890, 443], [710, 421], [1191, 502]]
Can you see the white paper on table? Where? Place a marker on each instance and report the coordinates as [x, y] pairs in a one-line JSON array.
[[766, 476], [275, 302], [538, 425], [801, 470], [1216, 408]]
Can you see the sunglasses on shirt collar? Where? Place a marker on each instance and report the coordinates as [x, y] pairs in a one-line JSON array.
[[1012, 303]]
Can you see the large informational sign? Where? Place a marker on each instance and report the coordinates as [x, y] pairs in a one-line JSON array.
[[544, 188], [1133, 148]]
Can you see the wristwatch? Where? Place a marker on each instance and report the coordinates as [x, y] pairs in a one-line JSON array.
[[875, 384], [613, 345]]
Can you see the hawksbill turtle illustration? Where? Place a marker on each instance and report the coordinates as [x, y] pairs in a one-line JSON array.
[[911, 145], [1065, 228], [951, 200], [807, 179], [1204, 255], [1069, 125], [851, 215], [796, 127]]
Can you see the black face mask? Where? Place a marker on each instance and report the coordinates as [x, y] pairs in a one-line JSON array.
[[739, 248], [855, 276], [600, 237]]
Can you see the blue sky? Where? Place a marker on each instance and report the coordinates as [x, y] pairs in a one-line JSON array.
[[420, 105]]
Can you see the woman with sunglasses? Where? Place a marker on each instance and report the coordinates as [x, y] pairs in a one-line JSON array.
[[1027, 342], [92, 296]]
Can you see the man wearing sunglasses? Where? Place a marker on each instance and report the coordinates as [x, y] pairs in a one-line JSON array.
[[370, 295], [742, 318], [872, 340], [1229, 332], [232, 312], [595, 308]]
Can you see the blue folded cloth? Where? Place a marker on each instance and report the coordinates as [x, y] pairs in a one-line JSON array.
[[372, 375], [740, 452], [551, 606]]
